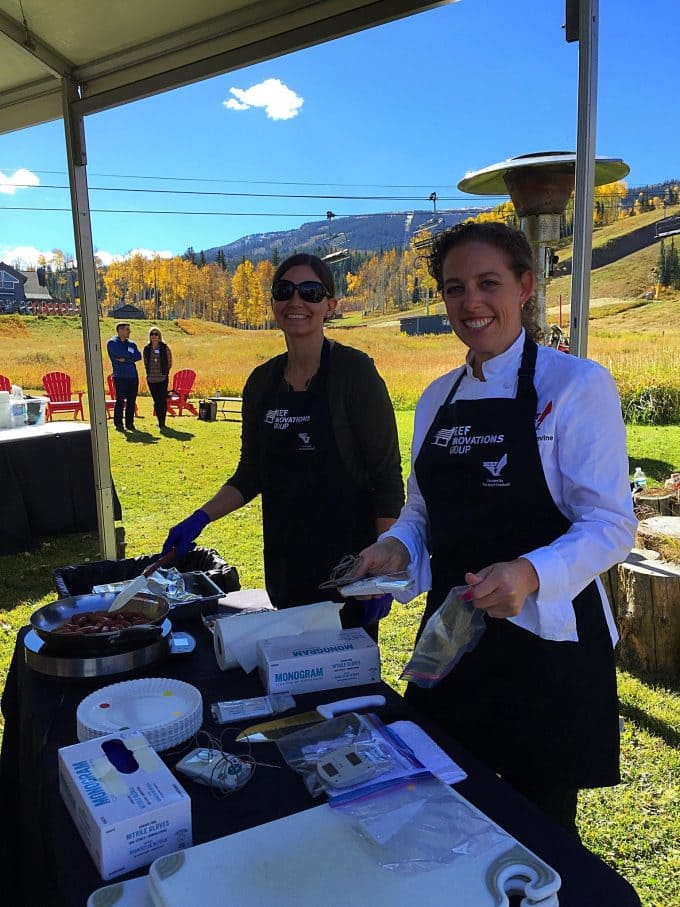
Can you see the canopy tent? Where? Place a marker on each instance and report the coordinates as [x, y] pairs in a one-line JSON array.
[[68, 58]]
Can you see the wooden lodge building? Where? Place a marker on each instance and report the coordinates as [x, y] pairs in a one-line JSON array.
[[23, 293]]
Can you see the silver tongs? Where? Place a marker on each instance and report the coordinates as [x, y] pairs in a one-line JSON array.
[[348, 585]]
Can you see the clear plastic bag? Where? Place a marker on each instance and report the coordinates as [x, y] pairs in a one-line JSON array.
[[419, 825], [365, 735], [454, 629]]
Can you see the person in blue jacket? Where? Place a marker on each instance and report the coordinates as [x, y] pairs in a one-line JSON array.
[[123, 354]]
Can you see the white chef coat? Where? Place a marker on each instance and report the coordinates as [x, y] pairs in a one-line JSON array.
[[582, 444]]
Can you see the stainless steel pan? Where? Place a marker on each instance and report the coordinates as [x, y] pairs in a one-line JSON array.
[[47, 620]]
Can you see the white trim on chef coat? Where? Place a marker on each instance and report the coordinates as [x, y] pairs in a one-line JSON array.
[[582, 445]]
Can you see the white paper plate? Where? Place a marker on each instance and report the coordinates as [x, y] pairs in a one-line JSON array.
[[167, 712]]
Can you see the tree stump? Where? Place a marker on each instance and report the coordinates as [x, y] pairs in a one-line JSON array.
[[645, 596], [610, 579], [659, 501], [660, 533]]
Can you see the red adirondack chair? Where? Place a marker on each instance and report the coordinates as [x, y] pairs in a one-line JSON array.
[[58, 388], [110, 401], [182, 383], [5, 383]]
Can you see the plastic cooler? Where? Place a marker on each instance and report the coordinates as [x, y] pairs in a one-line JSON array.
[[36, 409], [79, 579]]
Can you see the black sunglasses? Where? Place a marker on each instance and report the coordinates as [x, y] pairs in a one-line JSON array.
[[154, 334], [309, 290]]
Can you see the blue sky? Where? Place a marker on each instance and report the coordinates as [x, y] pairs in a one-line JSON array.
[[401, 110]]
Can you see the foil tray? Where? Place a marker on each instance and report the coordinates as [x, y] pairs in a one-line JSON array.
[[208, 594]]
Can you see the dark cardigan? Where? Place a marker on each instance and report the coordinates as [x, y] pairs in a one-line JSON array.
[[146, 354]]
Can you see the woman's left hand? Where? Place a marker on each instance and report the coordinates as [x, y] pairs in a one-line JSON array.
[[501, 589]]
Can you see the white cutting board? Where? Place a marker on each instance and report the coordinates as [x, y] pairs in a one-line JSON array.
[[315, 859], [131, 893]]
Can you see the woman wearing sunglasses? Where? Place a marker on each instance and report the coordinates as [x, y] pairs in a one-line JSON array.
[[158, 362], [319, 443]]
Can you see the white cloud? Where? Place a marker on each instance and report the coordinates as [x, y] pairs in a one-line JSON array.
[[278, 100], [27, 257], [149, 253], [107, 257], [23, 257], [20, 179]]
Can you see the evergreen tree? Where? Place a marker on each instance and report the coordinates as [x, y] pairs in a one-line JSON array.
[[190, 255], [673, 267], [201, 259], [415, 296], [662, 269]]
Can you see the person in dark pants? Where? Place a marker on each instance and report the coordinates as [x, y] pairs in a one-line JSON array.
[[319, 443], [157, 357], [518, 491], [123, 354]]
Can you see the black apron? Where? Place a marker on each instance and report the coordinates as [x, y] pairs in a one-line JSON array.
[[313, 512], [536, 711]]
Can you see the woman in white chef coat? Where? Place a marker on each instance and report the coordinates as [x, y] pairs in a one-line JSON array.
[[519, 489]]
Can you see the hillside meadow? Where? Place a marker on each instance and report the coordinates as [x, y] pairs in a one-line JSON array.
[[634, 827], [637, 340]]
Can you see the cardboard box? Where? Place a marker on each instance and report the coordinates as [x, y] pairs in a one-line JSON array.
[[127, 805], [318, 661]]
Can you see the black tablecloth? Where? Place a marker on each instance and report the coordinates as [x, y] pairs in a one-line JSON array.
[[47, 484], [44, 861]]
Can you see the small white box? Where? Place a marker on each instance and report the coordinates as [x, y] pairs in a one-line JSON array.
[[126, 803], [318, 661]]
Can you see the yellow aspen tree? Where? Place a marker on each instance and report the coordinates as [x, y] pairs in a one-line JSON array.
[[258, 303], [241, 284], [116, 283], [265, 272]]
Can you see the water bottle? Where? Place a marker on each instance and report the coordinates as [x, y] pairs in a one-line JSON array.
[[5, 410], [639, 479]]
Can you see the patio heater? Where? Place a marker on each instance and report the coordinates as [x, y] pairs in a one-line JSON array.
[[540, 186]]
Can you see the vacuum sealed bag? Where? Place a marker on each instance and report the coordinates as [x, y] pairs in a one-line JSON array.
[[419, 824], [341, 756], [454, 629]]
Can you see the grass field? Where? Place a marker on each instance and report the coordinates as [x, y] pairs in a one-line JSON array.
[[636, 826], [639, 343]]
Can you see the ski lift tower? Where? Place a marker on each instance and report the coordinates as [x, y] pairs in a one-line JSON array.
[[540, 186]]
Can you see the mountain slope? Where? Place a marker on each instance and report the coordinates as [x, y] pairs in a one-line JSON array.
[[359, 232]]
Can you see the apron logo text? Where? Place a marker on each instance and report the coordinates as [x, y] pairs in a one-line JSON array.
[[280, 419], [459, 440]]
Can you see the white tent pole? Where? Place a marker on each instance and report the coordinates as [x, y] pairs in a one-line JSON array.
[[588, 11], [87, 273]]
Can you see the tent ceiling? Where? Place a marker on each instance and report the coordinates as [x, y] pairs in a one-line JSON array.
[[121, 52]]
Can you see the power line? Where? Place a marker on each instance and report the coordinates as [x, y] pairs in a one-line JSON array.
[[197, 192], [141, 211], [246, 182]]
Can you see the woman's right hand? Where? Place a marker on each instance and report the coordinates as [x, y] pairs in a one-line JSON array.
[[386, 556], [181, 537]]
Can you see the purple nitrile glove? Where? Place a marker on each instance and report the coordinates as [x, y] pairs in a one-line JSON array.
[[183, 534], [376, 608]]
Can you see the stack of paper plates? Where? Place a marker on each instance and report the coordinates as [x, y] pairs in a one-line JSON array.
[[167, 712]]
